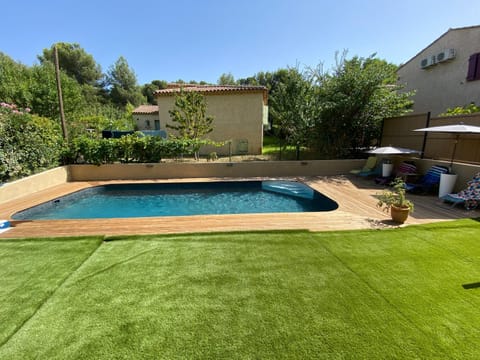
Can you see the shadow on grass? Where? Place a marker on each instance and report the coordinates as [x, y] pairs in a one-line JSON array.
[[471, 286]]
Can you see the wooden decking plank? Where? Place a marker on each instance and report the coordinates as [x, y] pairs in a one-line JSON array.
[[355, 196]]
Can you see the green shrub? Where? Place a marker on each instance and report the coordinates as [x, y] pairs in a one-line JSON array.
[[28, 143], [129, 148]]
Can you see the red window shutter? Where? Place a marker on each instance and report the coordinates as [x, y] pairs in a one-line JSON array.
[[473, 67]]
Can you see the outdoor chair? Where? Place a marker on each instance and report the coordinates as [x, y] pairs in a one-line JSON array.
[[429, 182], [405, 171], [469, 197], [368, 169]]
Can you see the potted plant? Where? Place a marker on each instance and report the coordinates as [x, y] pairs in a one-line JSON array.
[[395, 201]]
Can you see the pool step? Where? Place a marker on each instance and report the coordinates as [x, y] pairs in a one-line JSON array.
[[291, 188]]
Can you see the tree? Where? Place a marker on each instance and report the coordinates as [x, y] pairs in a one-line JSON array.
[[149, 89], [291, 107], [190, 115], [352, 102], [14, 82], [226, 79], [123, 84], [44, 95], [75, 61]]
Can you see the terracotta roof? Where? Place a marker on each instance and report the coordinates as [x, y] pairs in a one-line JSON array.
[[146, 109], [213, 89]]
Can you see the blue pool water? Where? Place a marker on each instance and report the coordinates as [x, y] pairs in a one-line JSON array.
[[177, 199]]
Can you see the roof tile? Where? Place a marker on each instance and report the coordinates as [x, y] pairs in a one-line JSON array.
[[146, 109], [212, 89]]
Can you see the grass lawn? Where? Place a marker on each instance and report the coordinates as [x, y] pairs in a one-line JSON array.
[[372, 294]]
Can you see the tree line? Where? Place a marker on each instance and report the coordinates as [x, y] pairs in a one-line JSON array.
[[336, 112]]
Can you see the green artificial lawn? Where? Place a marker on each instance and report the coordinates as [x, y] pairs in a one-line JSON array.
[[406, 293]]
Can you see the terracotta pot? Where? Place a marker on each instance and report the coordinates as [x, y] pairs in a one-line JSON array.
[[399, 214]]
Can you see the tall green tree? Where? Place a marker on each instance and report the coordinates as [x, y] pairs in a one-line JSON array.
[[75, 61], [14, 82], [291, 107], [122, 82], [149, 89], [226, 79], [351, 102], [44, 97], [190, 117]]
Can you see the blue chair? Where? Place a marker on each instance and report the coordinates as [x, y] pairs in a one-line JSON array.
[[429, 182]]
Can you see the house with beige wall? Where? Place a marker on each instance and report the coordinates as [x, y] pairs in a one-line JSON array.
[[146, 117], [446, 73], [239, 112]]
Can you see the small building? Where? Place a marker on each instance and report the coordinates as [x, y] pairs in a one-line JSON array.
[[446, 73], [146, 117], [239, 112]]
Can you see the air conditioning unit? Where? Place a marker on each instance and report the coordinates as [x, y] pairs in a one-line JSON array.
[[427, 62], [445, 55], [424, 63]]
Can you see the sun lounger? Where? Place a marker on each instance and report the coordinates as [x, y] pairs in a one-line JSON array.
[[469, 197], [368, 169]]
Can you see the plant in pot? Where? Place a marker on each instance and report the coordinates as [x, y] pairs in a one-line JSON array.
[[395, 201]]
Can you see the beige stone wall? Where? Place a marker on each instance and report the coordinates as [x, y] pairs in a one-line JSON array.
[[16, 189], [141, 121], [219, 169], [237, 117], [443, 85]]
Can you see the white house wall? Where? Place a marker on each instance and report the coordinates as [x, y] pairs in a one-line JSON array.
[[443, 85]]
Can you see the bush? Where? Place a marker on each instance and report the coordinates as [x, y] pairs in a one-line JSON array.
[[129, 148], [28, 143]]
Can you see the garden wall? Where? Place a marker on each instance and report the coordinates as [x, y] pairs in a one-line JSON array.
[[215, 169], [38, 182]]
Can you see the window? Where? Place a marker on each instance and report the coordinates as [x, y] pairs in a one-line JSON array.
[[147, 124], [473, 67], [157, 124]]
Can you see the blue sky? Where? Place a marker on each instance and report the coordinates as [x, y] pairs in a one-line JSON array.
[[201, 39]]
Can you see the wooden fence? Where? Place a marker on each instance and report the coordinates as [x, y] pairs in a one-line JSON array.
[[398, 131]]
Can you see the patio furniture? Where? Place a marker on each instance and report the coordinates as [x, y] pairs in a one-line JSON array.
[[469, 197], [405, 171], [368, 169], [429, 182]]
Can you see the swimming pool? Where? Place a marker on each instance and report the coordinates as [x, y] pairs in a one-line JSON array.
[[181, 199]]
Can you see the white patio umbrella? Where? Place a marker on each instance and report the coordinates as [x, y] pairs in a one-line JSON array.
[[387, 167], [456, 129], [392, 150]]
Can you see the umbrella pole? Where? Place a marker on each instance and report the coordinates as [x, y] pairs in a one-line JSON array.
[[454, 150]]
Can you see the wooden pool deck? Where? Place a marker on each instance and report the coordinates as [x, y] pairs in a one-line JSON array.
[[355, 196]]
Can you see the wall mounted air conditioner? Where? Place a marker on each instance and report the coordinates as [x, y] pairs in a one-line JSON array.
[[427, 62], [445, 55], [424, 63]]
